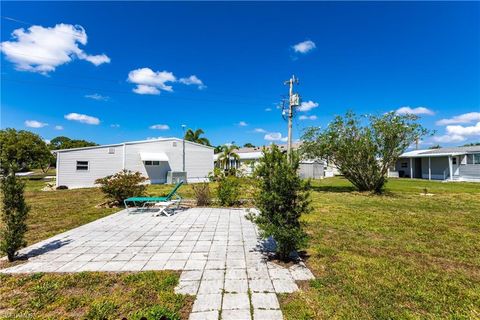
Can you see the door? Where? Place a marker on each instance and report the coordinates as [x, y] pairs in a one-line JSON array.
[[455, 165], [417, 173]]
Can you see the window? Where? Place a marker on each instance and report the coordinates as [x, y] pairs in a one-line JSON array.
[[174, 144], [82, 165], [111, 150], [152, 163], [473, 158], [404, 165], [454, 160]]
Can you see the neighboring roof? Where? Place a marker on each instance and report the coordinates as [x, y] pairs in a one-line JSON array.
[[452, 151], [131, 142], [255, 153]]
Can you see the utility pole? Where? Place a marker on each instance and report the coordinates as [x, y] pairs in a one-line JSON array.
[[293, 101]]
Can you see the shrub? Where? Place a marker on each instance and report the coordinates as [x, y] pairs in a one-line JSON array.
[[14, 215], [202, 193], [282, 197], [228, 190], [122, 185], [363, 151]]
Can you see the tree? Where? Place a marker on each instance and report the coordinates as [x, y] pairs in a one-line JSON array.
[[195, 136], [248, 145], [282, 198], [217, 149], [363, 151], [14, 214], [471, 144], [62, 142], [23, 149], [228, 153]]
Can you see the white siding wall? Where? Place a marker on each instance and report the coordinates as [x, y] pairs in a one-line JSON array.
[[198, 162], [100, 164]]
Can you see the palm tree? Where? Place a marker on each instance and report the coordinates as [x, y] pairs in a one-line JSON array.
[[194, 136], [228, 154]]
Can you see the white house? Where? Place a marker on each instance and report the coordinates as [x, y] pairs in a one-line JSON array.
[[455, 163], [156, 159], [249, 158]]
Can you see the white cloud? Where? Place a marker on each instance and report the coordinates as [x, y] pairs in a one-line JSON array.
[[47, 141], [307, 106], [83, 118], [449, 138], [464, 131], [97, 96], [275, 136], [153, 82], [463, 118], [42, 50], [415, 111], [159, 127], [242, 124], [193, 79], [313, 117], [115, 125], [268, 109], [260, 130], [150, 82], [304, 47], [35, 124], [459, 133], [58, 127]]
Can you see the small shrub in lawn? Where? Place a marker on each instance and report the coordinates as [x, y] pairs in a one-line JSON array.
[[122, 185], [202, 194], [282, 197], [228, 190], [14, 215], [102, 310]]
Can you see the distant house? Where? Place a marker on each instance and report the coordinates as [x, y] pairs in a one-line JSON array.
[[249, 157], [160, 160], [456, 163]]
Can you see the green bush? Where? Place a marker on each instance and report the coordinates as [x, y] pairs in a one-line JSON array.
[[202, 193], [14, 215], [228, 190], [122, 185], [282, 197]]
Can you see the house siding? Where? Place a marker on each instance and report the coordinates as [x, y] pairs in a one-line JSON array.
[[198, 162]]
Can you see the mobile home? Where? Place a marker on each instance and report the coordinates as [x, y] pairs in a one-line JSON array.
[[159, 160], [456, 163]]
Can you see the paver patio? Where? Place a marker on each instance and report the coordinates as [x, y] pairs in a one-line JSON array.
[[218, 251]]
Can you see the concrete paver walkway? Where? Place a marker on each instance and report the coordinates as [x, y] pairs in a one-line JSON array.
[[218, 250]]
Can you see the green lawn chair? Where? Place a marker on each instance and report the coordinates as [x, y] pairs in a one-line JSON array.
[[163, 203]]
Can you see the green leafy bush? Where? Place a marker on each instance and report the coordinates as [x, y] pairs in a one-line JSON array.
[[14, 215], [122, 185], [228, 190], [282, 197], [202, 194]]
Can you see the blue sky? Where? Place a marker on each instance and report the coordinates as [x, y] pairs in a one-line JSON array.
[[139, 70]]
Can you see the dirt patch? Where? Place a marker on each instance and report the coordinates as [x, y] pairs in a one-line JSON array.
[[4, 263]]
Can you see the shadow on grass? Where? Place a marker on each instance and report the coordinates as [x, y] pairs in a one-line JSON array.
[[337, 189]]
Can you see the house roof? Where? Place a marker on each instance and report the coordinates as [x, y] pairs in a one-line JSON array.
[[130, 142], [441, 152]]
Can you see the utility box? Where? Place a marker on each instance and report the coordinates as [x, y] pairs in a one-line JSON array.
[[174, 177]]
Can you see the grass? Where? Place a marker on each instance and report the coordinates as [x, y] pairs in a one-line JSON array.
[[93, 295], [397, 256], [401, 255]]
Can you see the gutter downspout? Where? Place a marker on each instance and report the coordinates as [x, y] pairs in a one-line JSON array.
[[450, 169], [124, 156], [429, 169], [411, 168], [56, 169]]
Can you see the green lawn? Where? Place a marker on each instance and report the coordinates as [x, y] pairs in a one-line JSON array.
[[398, 256], [93, 295], [402, 255]]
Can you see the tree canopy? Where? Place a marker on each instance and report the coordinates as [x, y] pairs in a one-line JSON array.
[[20, 150], [195, 136], [63, 142], [249, 145], [363, 149]]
